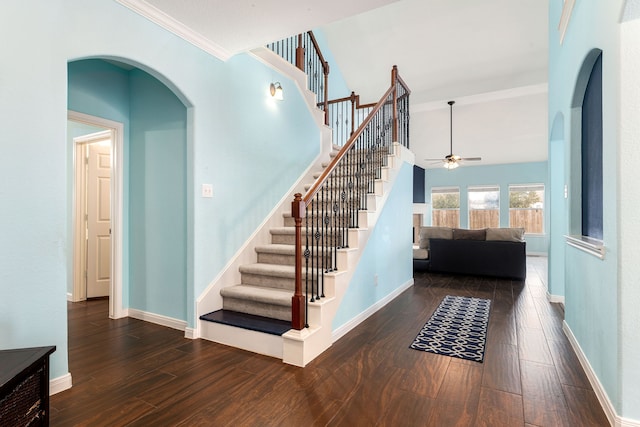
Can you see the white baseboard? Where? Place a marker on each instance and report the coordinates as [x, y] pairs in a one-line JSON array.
[[59, 384], [190, 333], [601, 393], [555, 298], [537, 254], [158, 319], [344, 329], [625, 422], [69, 296]]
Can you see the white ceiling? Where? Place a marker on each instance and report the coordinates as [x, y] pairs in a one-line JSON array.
[[489, 56]]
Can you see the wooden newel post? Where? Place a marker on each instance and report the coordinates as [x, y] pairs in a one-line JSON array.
[[297, 301], [354, 100], [394, 84], [326, 93], [300, 53]]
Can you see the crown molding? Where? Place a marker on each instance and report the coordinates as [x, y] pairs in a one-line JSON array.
[[567, 8], [481, 98], [176, 27]]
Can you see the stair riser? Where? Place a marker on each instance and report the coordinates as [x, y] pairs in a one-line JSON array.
[[362, 185], [257, 308], [278, 259], [268, 281], [290, 222], [290, 239], [356, 162]]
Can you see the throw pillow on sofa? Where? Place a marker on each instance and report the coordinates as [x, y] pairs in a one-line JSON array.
[[506, 234], [464, 234], [427, 233]]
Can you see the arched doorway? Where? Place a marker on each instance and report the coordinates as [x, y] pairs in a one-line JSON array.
[[151, 172]]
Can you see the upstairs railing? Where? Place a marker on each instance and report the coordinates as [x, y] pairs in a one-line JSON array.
[[331, 206], [303, 52], [344, 115]]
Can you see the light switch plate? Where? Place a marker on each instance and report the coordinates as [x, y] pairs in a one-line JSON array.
[[207, 190]]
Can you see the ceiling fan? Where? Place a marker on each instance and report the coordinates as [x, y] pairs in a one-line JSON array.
[[452, 161]]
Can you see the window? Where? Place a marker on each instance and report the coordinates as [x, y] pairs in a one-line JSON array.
[[445, 207], [484, 207], [526, 207], [592, 154]]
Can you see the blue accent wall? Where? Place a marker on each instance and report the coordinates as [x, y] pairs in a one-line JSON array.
[[387, 256], [418, 185], [501, 175]]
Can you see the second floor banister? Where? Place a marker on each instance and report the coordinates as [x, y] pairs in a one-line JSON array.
[[304, 52], [344, 115], [331, 206]]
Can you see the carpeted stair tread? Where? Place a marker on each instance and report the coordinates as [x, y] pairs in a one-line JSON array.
[[276, 248], [269, 269], [283, 230], [248, 321], [258, 294]]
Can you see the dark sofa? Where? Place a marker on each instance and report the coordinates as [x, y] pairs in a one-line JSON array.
[[466, 252], [479, 257]]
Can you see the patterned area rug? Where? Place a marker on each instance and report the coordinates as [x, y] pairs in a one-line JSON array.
[[458, 328]]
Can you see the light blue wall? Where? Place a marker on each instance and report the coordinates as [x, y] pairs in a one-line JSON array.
[[246, 145], [501, 175], [387, 254], [591, 284], [337, 85], [158, 202], [558, 224]]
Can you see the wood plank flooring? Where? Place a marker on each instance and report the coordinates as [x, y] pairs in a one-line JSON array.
[[130, 373]]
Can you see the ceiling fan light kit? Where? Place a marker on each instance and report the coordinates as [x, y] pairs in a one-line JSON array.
[[452, 161]]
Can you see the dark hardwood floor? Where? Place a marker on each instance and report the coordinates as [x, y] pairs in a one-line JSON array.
[[128, 372]]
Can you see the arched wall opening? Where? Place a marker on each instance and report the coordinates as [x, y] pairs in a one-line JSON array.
[[581, 202], [153, 168]]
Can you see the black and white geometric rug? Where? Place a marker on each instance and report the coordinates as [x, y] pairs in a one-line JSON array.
[[458, 328]]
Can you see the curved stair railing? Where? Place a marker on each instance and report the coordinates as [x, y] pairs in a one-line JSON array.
[[331, 206]]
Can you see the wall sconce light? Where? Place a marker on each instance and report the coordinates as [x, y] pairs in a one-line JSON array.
[[276, 91]]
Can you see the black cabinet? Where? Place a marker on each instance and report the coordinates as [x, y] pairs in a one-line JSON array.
[[24, 386]]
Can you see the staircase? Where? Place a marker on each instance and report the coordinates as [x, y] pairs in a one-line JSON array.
[[255, 291], [266, 287]]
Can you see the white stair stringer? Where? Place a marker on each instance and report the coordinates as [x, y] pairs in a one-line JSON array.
[[211, 299], [301, 347]]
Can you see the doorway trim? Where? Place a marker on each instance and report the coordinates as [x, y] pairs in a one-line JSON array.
[[116, 309], [80, 247]]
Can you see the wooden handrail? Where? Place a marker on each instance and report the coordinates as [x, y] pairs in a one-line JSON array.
[[353, 98], [343, 151], [325, 70], [301, 204]]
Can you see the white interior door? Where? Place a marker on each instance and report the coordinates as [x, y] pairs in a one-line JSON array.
[[99, 219]]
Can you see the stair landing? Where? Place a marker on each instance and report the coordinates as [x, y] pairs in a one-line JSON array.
[[248, 321]]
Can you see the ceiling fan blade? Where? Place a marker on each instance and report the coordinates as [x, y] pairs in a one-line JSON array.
[[471, 159], [435, 160]]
